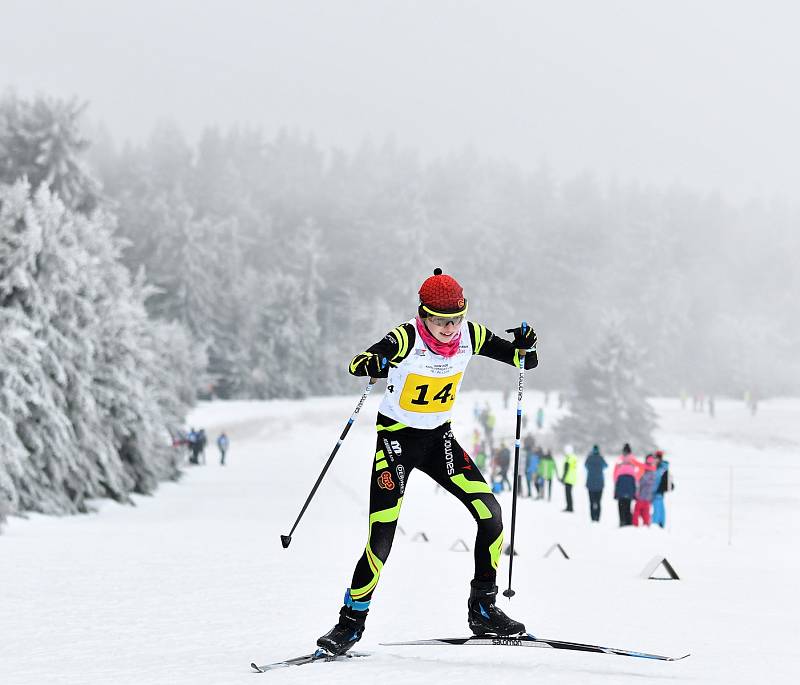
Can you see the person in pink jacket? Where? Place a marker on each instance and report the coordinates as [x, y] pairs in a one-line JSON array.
[[625, 484]]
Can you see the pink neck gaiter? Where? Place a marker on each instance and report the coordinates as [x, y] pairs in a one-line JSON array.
[[446, 349]]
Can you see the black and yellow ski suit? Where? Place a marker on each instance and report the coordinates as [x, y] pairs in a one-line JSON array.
[[401, 448]]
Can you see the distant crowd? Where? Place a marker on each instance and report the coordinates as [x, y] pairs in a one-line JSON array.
[[640, 485], [702, 402], [196, 441]]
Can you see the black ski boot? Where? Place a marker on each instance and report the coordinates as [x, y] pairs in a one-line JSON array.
[[345, 633], [484, 616]]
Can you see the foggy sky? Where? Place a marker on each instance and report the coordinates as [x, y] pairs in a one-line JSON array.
[[699, 92]]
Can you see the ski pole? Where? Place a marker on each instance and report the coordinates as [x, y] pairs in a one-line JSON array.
[[287, 539], [510, 593]]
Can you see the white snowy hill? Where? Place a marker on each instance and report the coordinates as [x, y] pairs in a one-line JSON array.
[[192, 585]]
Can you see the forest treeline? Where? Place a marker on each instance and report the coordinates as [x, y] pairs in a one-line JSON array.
[[135, 277], [286, 258], [90, 383]]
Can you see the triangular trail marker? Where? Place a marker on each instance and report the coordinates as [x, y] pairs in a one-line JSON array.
[[556, 546], [659, 563], [459, 546]]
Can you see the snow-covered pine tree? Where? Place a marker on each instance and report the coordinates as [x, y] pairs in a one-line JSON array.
[[608, 402], [87, 388], [238, 289], [138, 376], [22, 382], [34, 379], [288, 346], [41, 140]]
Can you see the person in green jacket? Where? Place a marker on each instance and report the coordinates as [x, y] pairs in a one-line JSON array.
[[570, 474], [546, 472]]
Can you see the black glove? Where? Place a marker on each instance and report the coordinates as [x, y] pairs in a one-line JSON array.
[[376, 366], [524, 336]]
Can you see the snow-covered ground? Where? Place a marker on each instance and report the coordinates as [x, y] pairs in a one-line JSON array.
[[191, 585]]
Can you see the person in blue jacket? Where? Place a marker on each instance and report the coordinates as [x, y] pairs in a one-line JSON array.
[[223, 442], [532, 457], [595, 481], [663, 485]]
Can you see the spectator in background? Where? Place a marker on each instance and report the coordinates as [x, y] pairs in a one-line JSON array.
[[476, 440], [531, 461], [595, 480], [223, 443], [644, 492], [488, 427], [202, 441], [479, 450], [540, 418], [547, 472], [179, 438], [481, 457], [503, 463], [193, 443], [663, 483], [570, 474], [625, 484]]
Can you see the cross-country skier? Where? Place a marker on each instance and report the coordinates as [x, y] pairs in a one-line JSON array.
[[424, 360]]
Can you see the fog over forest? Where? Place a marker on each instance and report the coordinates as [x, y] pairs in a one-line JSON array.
[[287, 175]]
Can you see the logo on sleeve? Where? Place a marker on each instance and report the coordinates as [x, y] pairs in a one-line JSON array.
[[385, 481]]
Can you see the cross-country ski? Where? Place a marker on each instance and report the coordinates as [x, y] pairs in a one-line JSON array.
[[529, 640], [318, 656]]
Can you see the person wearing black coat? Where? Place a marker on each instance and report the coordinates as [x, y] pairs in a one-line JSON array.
[[625, 485], [595, 481]]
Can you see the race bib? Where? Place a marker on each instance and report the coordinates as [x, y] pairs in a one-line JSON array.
[[426, 394]]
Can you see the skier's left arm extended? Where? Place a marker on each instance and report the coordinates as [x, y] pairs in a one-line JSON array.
[[487, 344]]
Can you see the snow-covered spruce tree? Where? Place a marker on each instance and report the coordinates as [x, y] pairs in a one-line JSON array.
[[608, 402], [193, 273], [40, 140], [236, 320], [86, 394], [288, 339], [32, 376], [22, 383], [141, 368]]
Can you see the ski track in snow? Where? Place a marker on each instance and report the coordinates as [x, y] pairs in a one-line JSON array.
[[191, 585]]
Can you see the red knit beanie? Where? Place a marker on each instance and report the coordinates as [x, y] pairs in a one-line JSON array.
[[441, 295]]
